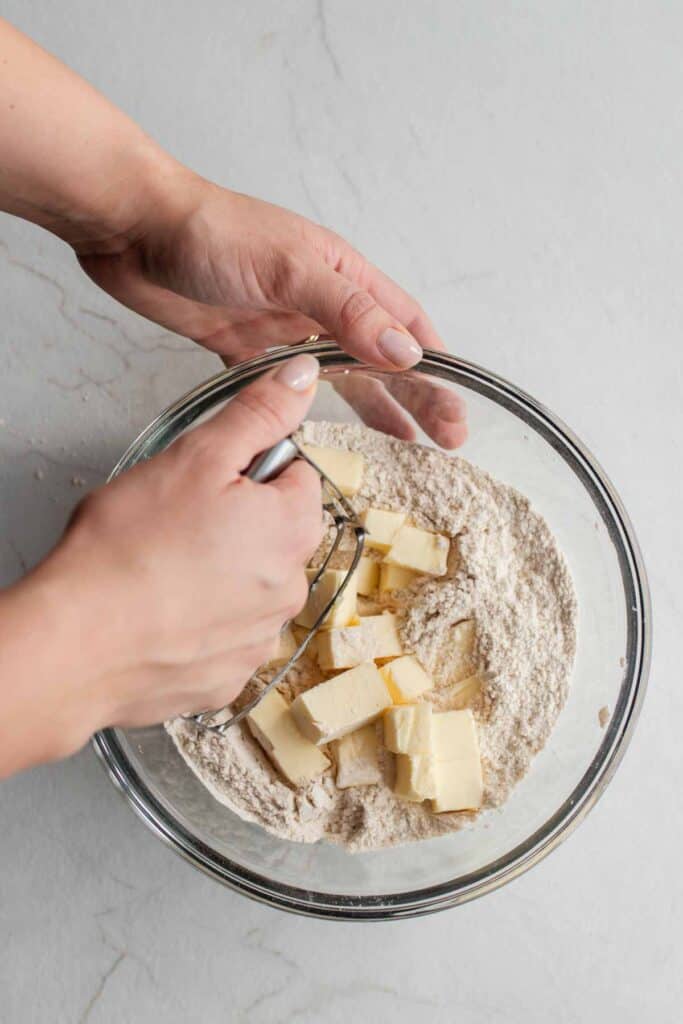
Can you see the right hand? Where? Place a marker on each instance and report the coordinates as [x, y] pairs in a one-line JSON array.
[[186, 570]]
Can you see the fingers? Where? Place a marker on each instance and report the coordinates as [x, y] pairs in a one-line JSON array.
[[403, 306], [262, 413], [438, 409], [300, 489], [375, 406], [350, 313], [383, 404]]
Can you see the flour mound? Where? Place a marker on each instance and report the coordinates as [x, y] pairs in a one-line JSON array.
[[505, 572]]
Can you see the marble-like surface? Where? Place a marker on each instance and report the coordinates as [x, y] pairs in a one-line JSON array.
[[518, 167]]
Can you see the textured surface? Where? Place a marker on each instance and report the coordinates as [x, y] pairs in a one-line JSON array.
[[516, 166]]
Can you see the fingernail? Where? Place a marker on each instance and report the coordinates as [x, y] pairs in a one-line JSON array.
[[450, 410], [299, 373], [399, 348]]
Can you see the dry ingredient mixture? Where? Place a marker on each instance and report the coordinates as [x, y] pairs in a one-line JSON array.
[[505, 573]]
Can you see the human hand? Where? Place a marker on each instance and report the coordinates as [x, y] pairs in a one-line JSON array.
[[240, 275], [236, 274], [175, 578]]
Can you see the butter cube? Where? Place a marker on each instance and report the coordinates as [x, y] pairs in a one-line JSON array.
[[459, 657], [368, 576], [381, 526], [345, 469], [342, 704], [272, 724], [406, 679], [344, 609], [385, 629], [357, 758], [375, 636], [393, 577], [465, 692], [419, 550], [346, 648], [287, 645], [408, 729], [415, 777], [459, 781]]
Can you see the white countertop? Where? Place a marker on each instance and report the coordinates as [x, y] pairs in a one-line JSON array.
[[518, 167]]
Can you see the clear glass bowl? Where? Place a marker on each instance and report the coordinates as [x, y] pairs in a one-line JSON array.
[[521, 443]]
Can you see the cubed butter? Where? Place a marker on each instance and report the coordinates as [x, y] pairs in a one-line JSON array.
[[408, 729], [415, 777], [375, 636], [345, 469], [346, 648], [406, 679], [385, 629], [286, 647], [343, 610], [367, 576], [419, 550], [466, 691], [342, 704], [393, 577], [381, 527], [357, 758], [272, 724], [459, 781]]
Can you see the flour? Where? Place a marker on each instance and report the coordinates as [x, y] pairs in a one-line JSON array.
[[505, 573]]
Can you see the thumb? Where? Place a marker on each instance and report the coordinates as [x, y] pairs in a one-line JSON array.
[[264, 412], [355, 319]]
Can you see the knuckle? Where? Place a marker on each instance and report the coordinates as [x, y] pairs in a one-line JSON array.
[[354, 307], [287, 272]]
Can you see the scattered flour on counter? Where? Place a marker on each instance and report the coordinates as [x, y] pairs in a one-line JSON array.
[[505, 573]]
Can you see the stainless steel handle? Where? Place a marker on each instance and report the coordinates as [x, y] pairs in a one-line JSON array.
[[272, 462]]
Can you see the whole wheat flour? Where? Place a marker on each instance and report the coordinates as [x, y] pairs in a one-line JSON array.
[[505, 573]]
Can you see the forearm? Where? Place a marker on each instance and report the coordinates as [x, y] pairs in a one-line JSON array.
[[70, 161], [50, 699]]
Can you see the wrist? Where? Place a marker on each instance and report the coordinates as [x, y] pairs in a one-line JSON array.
[[144, 185], [57, 653], [49, 697]]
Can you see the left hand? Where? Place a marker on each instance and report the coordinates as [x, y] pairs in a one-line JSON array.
[[239, 275]]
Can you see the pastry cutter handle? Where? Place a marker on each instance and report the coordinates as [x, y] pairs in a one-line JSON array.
[[273, 461]]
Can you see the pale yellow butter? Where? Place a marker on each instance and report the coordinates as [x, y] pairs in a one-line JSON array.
[[345, 469], [406, 679], [286, 647], [408, 729], [367, 576], [464, 692], [393, 577], [415, 777], [419, 550], [459, 780], [381, 526], [344, 609], [375, 636], [385, 629], [357, 758], [272, 724], [341, 705], [347, 647]]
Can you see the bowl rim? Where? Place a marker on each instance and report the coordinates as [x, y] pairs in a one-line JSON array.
[[594, 780]]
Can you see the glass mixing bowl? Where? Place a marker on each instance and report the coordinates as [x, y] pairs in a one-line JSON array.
[[520, 443]]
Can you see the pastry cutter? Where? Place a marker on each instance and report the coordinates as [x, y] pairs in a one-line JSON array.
[[265, 467]]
